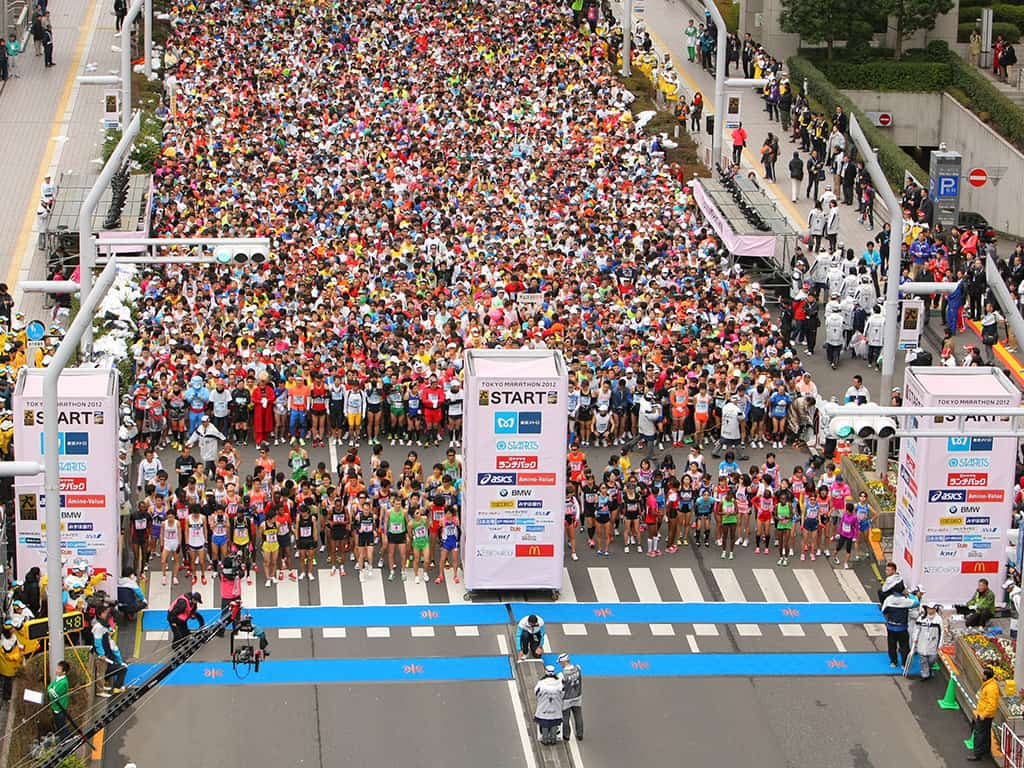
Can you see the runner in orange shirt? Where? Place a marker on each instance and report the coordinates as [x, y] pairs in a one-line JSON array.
[[298, 405]]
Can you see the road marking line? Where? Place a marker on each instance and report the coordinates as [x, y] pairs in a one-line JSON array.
[[378, 632], [289, 633], [546, 644], [692, 642], [839, 644], [643, 581], [249, 599], [415, 594], [811, 585], [705, 630], [834, 630], [287, 593], [517, 709], [467, 631], [502, 644], [206, 590], [568, 594], [731, 591], [335, 633], [618, 630], [792, 630], [156, 636], [686, 583], [373, 588], [604, 587], [54, 149], [875, 630], [456, 592], [421, 631], [330, 587], [574, 630], [769, 584], [663, 630], [852, 587], [159, 593], [138, 638]]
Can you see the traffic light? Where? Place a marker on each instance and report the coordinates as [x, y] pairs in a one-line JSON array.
[[240, 254], [849, 425]]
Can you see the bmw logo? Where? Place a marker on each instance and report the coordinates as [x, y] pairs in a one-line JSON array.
[[503, 492]]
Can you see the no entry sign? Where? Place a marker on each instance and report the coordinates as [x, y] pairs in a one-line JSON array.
[[977, 177], [884, 119]]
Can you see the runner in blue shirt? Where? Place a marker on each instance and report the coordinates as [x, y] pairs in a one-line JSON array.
[[778, 407]]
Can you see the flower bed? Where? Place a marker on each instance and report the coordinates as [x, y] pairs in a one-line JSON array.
[[988, 652], [859, 471]]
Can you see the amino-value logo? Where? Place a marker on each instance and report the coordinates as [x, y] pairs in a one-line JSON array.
[[496, 478], [537, 478], [516, 462], [991, 495], [967, 479]]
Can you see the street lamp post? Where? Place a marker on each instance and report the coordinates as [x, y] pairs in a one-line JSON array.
[[891, 305], [86, 245], [627, 40]]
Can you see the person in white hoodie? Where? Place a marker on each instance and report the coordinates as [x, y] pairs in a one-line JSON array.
[[928, 638]]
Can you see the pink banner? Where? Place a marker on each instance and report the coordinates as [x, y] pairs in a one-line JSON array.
[[760, 246]]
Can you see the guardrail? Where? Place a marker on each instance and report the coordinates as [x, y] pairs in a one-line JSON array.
[[1012, 747]]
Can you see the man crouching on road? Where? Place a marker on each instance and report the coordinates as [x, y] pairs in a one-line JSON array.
[[530, 637]]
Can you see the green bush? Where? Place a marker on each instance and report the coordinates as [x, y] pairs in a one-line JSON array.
[[1006, 117], [731, 14], [1010, 32], [1012, 14], [969, 13], [894, 161], [888, 76]]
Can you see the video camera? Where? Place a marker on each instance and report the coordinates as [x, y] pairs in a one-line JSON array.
[[248, 652]]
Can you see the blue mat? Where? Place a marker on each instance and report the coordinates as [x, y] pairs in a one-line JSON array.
[[734, 664], [702, 613], [439, 614], [316, 671]]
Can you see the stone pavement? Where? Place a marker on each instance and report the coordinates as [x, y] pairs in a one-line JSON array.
[[52, 125], [665, 20]]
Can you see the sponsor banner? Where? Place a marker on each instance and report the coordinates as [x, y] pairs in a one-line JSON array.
[[952, 509], [516, 421], [87, 411]]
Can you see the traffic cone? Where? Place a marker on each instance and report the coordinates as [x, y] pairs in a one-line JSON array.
[[949, 700], [969, 741]]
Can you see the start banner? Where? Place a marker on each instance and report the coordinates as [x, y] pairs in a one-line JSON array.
[[513, 499], [87, 411]]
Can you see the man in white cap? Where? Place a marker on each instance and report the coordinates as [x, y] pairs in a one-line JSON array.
[[572, 697], [548, 714]]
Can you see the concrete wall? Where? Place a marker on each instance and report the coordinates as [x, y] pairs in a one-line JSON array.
[[982, 147], [926, 119], [916, 116]]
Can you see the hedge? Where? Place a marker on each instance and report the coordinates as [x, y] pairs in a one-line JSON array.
[[888, 76], [1009, 31], [1012, 14], [1006, 117], [894, 161]]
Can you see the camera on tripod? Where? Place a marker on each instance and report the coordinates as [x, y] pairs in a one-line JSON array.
[[250, 650]]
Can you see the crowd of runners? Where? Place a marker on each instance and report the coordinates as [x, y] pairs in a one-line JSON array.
[[428, 187]]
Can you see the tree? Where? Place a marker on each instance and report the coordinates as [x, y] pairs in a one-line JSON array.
[[913, 16], [818, 21]]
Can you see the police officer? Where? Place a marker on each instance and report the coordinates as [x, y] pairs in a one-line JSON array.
[[834, 332], [572, 697]]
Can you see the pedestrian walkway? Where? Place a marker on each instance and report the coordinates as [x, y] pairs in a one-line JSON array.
[[52, 126], [665, 20]]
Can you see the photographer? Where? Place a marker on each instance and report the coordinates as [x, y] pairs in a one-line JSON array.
[[185, 607]]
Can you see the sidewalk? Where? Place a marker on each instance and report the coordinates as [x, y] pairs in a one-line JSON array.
[[665, 20], [53, 126]]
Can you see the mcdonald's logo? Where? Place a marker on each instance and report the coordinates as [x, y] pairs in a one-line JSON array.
[[979, 566], [535, 550]]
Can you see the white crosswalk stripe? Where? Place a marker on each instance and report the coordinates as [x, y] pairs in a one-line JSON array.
[[604, 587], [330, 587], [731, 591], [568, 594], [686, 583], [643, 581], [373, 588], [159, 593], [856, 593], [815, 592], [287, 593], [415, 594], [768, 583]]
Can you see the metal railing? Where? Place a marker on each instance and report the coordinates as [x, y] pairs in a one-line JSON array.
[[1012, 746]]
